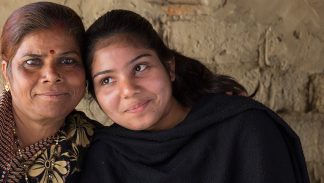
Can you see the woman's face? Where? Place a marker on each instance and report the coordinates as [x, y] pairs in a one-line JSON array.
[[132, 86], [46, 75]]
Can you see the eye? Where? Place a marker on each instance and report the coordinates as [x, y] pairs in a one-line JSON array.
[[140, 67], [106, 81], [32, 62], [68, 61]]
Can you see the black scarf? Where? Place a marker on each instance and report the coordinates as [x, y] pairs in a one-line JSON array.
[[223, 139]]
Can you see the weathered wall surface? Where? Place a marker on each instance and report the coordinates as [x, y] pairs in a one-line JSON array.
[[276, 45]]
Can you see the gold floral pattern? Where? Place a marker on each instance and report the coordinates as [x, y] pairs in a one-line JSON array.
[[81, 129], [73, 156], [63, 158], [49, 167], [58, 157]]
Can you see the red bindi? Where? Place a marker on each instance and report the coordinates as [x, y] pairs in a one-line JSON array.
[[52, 51]]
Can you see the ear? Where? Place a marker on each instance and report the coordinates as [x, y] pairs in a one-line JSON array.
[[171, 68], [4, 65]]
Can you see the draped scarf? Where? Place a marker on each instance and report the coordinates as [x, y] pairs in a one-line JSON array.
[[222, 139]]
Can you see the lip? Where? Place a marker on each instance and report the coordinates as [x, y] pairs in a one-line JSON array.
[[52, 94], [137, 107]]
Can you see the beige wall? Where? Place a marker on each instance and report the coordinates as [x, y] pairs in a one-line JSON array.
[[276, 44]]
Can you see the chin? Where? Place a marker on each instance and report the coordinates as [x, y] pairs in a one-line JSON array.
[[136, 126], [55, 113]]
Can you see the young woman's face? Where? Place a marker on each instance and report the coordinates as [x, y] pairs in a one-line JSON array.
[[46, 76], [132, 87]]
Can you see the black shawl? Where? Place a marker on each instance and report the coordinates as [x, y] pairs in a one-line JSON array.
[[223, 139]]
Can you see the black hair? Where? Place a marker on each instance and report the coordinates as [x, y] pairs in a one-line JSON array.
[[193, 79]]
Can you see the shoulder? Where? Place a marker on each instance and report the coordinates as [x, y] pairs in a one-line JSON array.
[[81, 119], [230, 106], [222, 101], [238, 112], [79, 129], [268, 144], [225, 105], [219, 108], [257, 123]]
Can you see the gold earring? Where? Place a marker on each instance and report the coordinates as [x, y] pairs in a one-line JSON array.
[[7, 88]]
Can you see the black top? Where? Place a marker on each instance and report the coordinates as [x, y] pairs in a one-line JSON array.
[[223, 139]]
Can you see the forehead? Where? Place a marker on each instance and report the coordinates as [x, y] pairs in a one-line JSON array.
[[118, 53], [119, 56], [55, 38], [54, 32], [125, 39]]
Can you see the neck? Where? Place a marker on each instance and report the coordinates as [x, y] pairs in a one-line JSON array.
[[31, 131]]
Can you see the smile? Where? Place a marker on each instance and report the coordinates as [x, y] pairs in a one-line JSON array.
[[53, 95], [138, 107]]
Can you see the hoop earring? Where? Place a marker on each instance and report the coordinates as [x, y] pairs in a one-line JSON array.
[[6, 87]]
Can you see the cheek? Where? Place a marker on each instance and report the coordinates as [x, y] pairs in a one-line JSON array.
[[76, 78], [19, 79], [160, 85], [107, 101]]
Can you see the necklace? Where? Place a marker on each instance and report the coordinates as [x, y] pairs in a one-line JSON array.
[[4, 172], [23, 159]]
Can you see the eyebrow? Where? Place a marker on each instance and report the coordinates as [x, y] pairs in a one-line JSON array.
[[32, 55], [130, 62], [70, 52]]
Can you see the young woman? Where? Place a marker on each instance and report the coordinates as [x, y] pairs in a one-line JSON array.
[[42, 138], [173, 121]]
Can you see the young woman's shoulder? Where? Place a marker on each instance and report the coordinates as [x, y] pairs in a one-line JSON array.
[[219, 108], [262, 137], [225, 106], [236, 114]]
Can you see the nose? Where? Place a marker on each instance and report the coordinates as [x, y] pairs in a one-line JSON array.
[[51, 74], [128, 88]]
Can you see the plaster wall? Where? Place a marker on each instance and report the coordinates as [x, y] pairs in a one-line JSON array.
[[276, 45]]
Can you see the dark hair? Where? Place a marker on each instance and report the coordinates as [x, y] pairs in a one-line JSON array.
[[36, 16], [193, 79]]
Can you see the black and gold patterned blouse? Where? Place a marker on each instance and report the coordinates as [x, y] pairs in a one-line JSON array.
[[55, 159]]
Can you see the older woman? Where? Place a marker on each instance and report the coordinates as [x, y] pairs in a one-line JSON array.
[[42, 137]]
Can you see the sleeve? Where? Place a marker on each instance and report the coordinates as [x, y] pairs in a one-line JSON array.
[[264, 153]]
